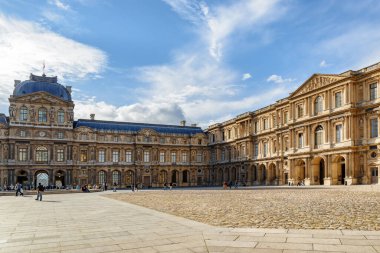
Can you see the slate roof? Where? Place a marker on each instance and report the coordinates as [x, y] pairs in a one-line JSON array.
[[135, 127], [42, 83], [3, 119]]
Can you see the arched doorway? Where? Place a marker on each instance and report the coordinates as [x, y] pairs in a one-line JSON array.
[[272, 173], [59, 180], [318, 170], [220, 177], [262, 174], [42, 177], [338, 170], [185, 176], [233, 174], [252, 175], [300, 172], [116, 177], [174, 177], [22, 177], [130, 178]]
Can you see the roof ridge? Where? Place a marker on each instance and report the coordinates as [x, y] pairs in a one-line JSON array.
[[135, 123]]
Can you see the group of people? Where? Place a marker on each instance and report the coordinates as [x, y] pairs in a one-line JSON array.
[[169, 186], [230, 184]]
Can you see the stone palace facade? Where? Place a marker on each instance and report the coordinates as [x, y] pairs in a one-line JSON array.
[[324, 133]]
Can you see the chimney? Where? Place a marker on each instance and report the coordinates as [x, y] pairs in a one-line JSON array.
[[183, 123], [194, 125], [17, 82], [92, 116], [68, 88]]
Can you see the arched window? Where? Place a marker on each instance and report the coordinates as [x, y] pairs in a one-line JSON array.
[[41, 154], [185, 176], [102, 177], [61, 116], [318, 105], [42, 115], [116, 177], [319, 136], [23, 113]]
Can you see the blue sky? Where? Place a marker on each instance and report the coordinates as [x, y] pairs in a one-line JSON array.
[[164, 61]]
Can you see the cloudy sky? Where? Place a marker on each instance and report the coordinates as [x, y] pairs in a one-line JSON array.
[[164, 61]]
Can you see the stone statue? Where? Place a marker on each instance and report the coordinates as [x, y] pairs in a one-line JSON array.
[[52, 111], [32, 114], [12, 111]]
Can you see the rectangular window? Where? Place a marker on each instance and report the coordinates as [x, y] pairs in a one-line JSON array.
[[256, 127], [374, 131], [223, 137], [128, 156], [60, 135], [22, 133], [265, 124], [223, 155], [23, 114], [115, 156], [101, 157], [162, 140], [60, 155], [22, 154], [229, 134], [115, 139], [285, 117], [300, 140], [338, 131], [61, 117], [373, 91], [162, 157], [174, 157], [256, 149], [265, 149], [338, 99], [146, 156], [199, 157], [184, 157], [274, 121], [42, 115], [300, 111]]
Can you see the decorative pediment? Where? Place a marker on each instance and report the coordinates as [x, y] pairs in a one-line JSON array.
[[316, 81], [39, 98], [147, 132]]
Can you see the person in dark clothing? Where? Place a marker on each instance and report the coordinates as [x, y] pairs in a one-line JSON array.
[[40, 189]]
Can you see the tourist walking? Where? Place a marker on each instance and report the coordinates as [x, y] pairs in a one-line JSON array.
[[170, 186], [17, 188], [165, 186], [114, 187], [40, 189]]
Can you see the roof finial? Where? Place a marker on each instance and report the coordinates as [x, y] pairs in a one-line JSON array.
[[43, 68]]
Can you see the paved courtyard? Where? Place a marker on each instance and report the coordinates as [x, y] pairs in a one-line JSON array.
[[285, 207], [94, 223]]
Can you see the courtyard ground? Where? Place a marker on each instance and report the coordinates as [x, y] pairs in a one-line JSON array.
[[92, 222], [291, 208]]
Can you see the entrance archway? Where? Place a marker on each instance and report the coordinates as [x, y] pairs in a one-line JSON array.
[[262, 174], [59, 180], [163, 177], [220, 177], [338, 170], [374, 175], [42, 177], [318, 170], [272, 173], [300, 172], [174, 177], [22, 177], [233, 174]]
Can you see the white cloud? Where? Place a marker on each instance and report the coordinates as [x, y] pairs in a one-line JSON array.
[[279, 79], [216, 24], [246, 76], [25, 45], [323, 64], [59, 4]]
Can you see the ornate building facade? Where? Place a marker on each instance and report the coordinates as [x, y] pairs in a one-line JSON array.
[[324, 133], [41, 142]]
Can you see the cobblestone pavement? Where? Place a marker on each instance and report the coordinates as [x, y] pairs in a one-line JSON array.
[[93, 223], [287, 207]]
